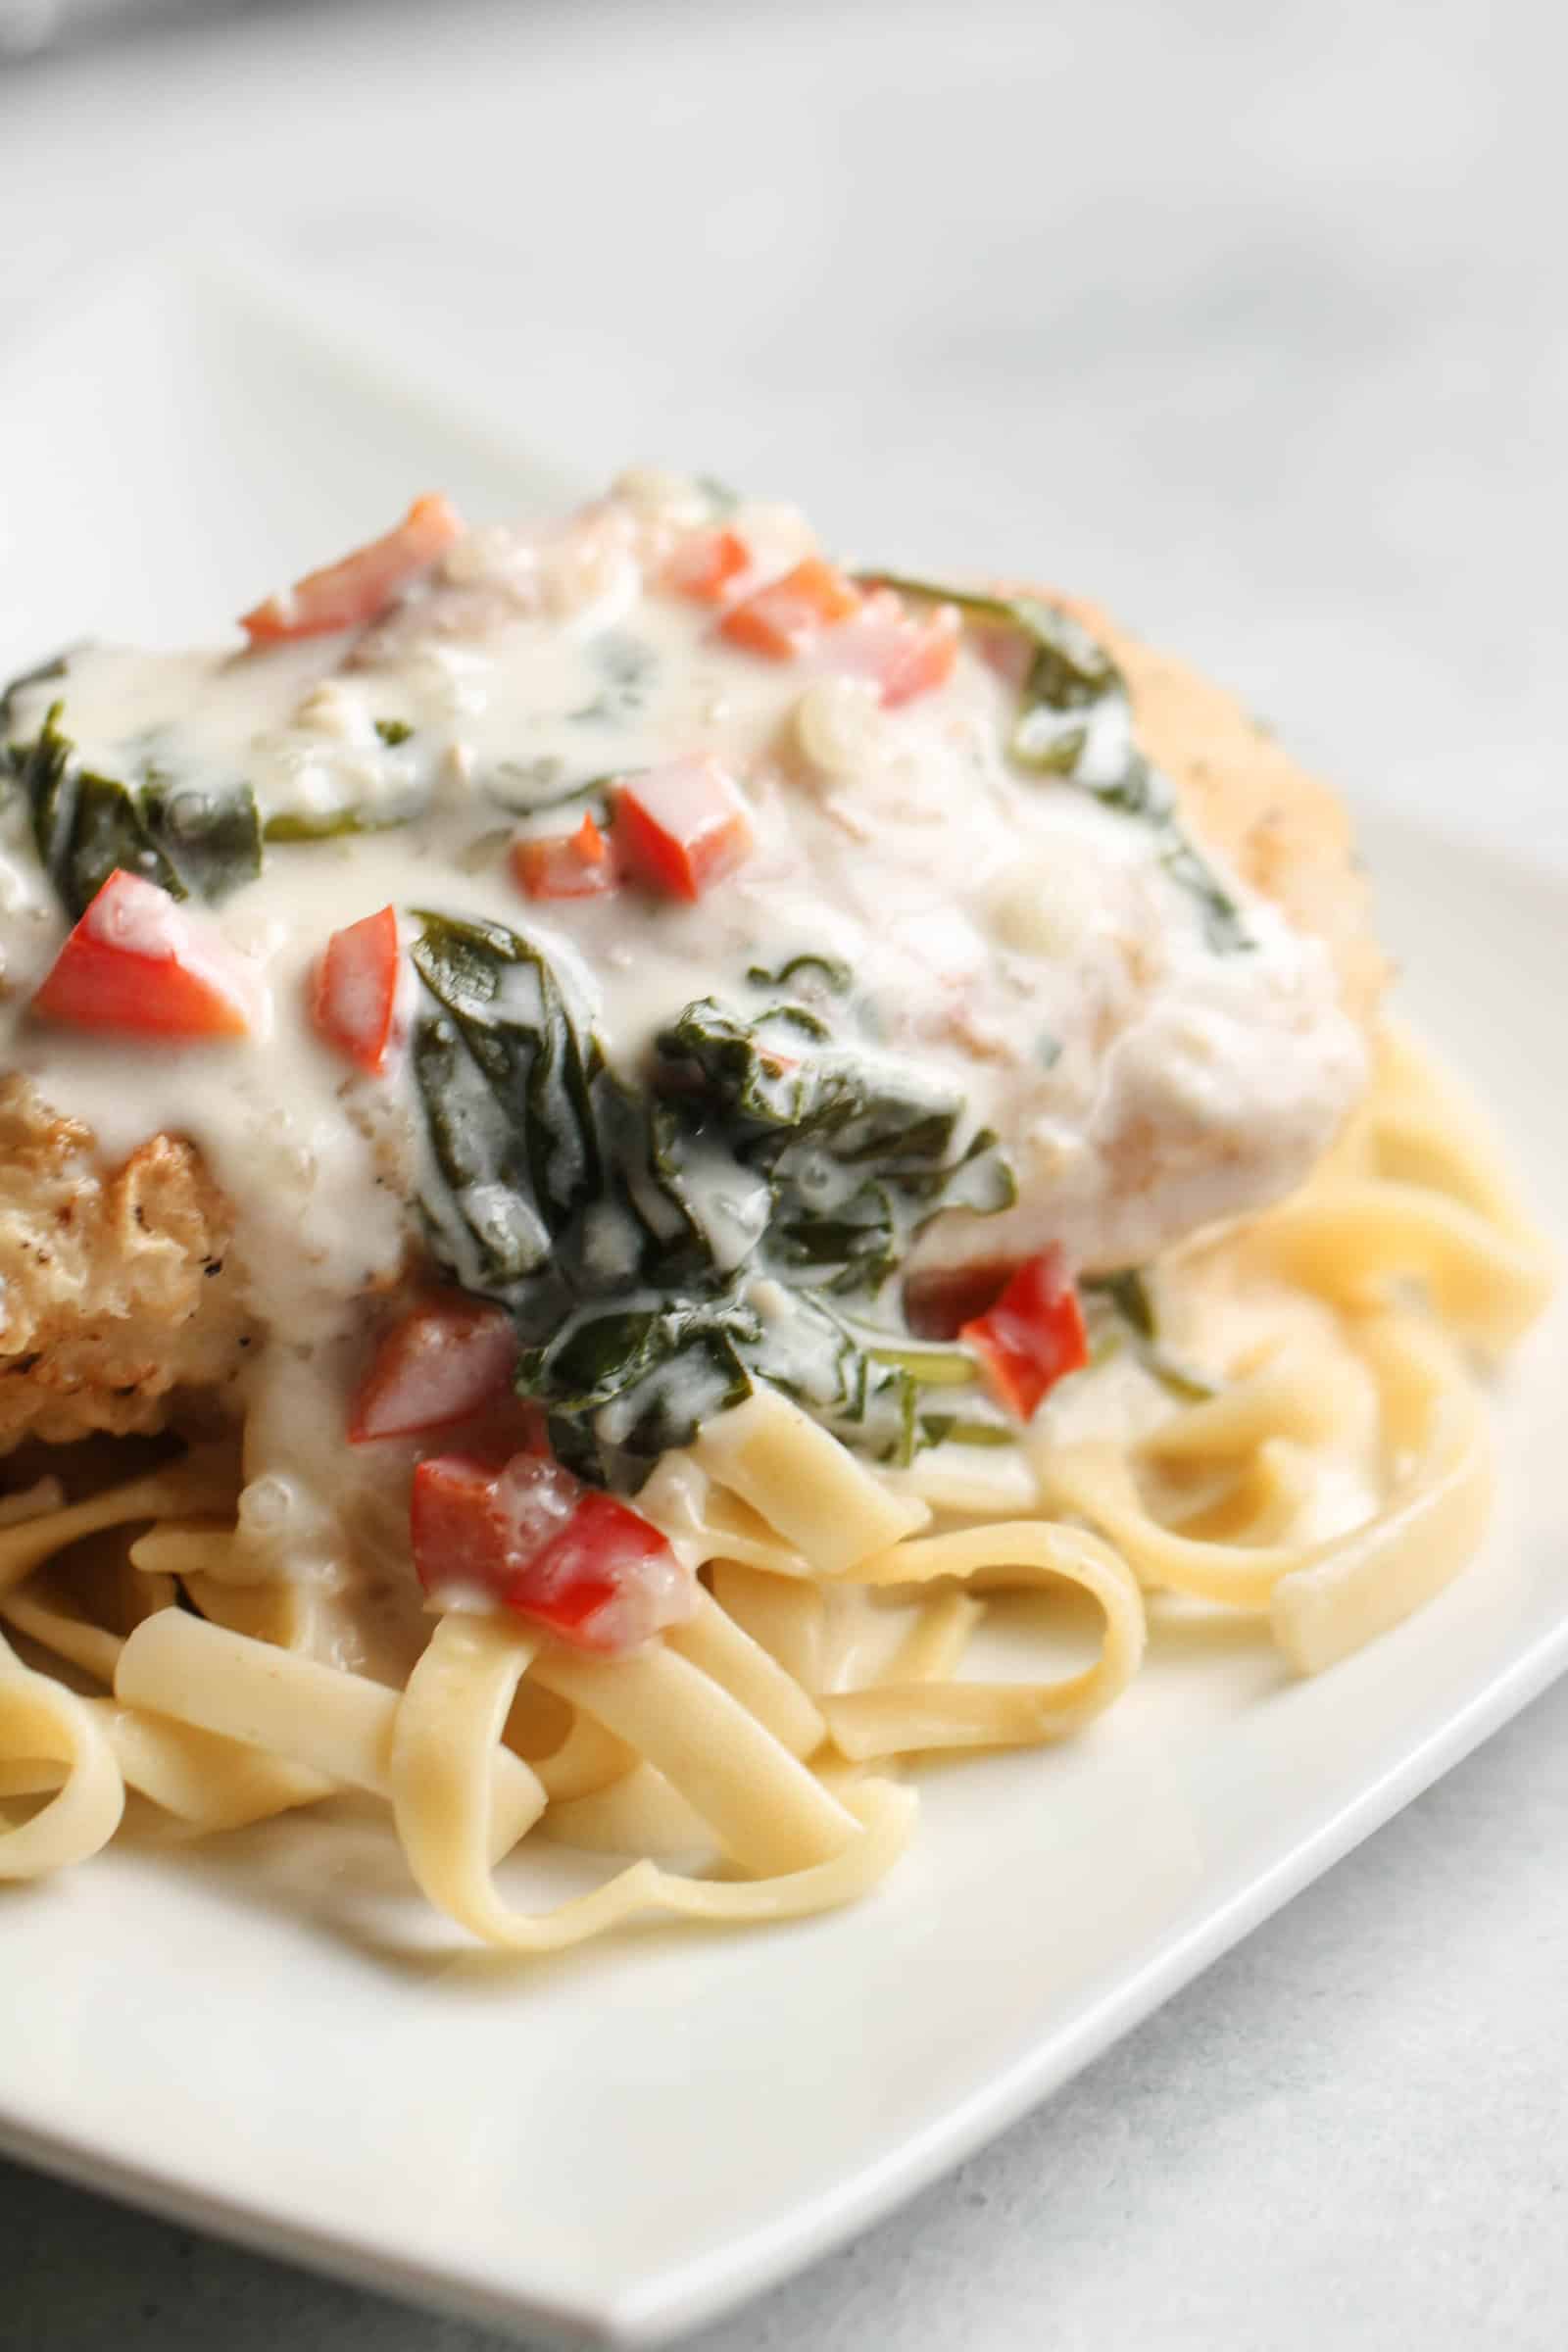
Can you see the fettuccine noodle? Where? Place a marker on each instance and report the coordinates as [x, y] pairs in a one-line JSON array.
[[728, 1758]]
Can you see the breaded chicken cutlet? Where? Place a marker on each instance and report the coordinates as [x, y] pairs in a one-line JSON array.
[[702, 767]]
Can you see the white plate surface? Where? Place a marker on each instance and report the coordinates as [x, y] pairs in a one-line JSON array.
[[272, 2039]]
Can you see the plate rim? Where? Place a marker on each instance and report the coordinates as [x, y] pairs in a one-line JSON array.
[[697, 2289], [696, 2292]]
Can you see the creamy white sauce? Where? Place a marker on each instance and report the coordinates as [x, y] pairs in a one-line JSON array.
[[1021, 941]]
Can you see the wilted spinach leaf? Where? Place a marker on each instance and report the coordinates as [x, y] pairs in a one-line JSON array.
[[44, 674], [334, 824], [1075, 721], [192, 843], [1128, 1294], [661, 1245]]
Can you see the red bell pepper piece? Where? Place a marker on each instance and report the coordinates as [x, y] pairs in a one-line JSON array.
[[565, 865], [137, 963], [901, 653], [439, 1365], [818, 615], [681, 828], [533, 1537], [354, 990], [349, 593], [704, 565], [788, 616], [1033, 1336], [938, 1300]]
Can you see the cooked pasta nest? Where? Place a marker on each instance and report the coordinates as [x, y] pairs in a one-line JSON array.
[[749, 1759]]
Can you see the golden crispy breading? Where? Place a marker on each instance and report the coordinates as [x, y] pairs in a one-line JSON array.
[[115, 1289], [1283, 831]]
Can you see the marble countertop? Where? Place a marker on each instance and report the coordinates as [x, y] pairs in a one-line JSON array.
[[1250, 319]]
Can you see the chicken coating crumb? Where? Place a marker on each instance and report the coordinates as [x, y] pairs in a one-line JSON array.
[[116, 1288]]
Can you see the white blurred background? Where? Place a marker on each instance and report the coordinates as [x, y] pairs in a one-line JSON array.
[[1249, 318]]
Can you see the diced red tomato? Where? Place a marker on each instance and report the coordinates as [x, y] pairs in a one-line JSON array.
[[681, 828], [441, 1365], [359, 589], [354, 990], [901, 653], [1033, 1336], [137, 963], [565, 865], [705, 565], [532, 1536], [787, 617]]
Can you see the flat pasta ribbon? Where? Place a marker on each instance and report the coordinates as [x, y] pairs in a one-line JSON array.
[[203, 1479], [1326, 1598], [456, 1699], [42, 1722], [902, 1715], [839, 1601]]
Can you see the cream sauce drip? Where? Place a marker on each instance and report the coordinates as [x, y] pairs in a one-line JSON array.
[[1021, 941]]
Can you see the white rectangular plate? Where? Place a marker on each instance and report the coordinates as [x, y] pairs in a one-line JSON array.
[[270, 2038]]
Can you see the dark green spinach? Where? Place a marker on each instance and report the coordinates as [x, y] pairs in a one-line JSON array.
[[1128, 1294], [44, 674], [628, 667], [835, 972], [661, 1245], [1075, 721], [333, 824], [192, 843], [723, 501], [553, 787], [1070, 676]]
